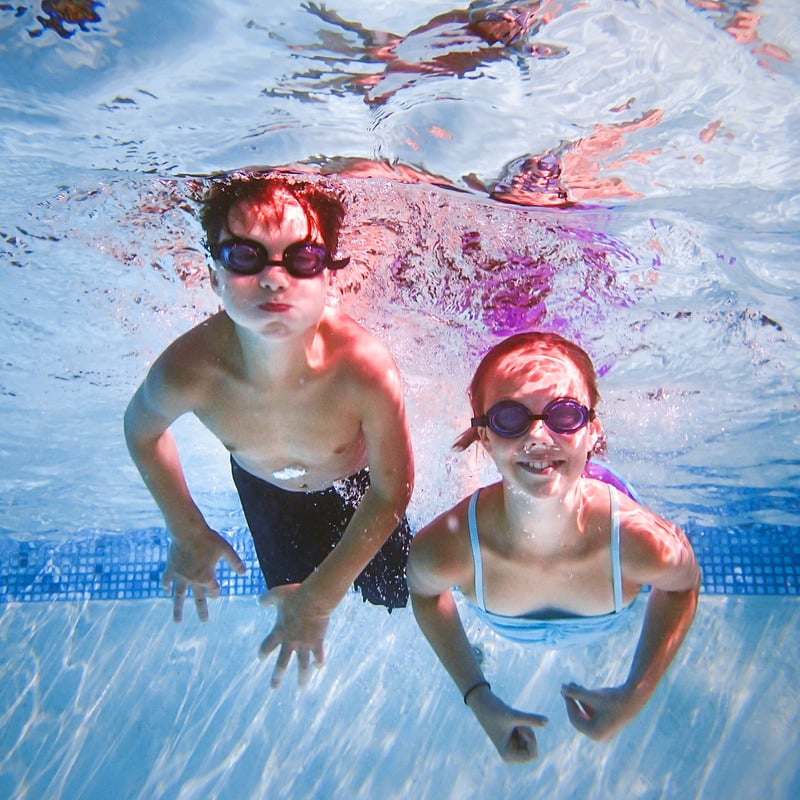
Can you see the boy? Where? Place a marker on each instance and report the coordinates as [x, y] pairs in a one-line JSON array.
[[310, 407]]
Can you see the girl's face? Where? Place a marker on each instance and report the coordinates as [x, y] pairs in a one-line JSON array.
[[272, 303], [540, 461]]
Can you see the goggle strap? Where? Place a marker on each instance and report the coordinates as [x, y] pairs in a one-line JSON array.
[[340, 263]]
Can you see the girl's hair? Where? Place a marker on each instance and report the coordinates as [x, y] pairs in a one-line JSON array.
[[320, 201], [517, 352]]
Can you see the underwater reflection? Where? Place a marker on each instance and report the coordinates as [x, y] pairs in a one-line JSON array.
[[66, 17], [456, 43]]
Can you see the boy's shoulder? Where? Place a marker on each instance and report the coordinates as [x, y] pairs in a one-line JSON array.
[[340, 325], [195, 352], [354, 346]]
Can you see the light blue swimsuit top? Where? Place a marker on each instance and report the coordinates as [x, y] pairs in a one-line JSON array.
[[551, 631]]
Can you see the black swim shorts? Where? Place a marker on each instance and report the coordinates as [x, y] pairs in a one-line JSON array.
[[293, 532]]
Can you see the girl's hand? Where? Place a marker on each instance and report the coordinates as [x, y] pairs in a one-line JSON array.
[[598, 713], [511, 731]]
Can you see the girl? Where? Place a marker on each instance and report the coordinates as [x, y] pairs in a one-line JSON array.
[[549, 554]]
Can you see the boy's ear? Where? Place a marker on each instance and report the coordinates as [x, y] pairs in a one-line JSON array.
[[213, 279]]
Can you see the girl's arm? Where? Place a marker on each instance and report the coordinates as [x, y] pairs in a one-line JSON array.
[[434, 565], [658, 554]]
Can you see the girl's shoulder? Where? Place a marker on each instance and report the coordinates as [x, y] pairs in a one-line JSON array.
[[654, 551]]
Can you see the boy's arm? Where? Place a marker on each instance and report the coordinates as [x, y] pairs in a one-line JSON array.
[[662, 558], [195, 548], [434, 565], [304, 609]]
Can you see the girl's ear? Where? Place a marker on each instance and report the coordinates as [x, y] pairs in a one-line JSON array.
[[595, 429], [483, 439]]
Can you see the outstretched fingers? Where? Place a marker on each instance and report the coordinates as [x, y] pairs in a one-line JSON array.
[[233, 561], [281, 665], [271, 642], [178, 599], [303, 664], [167, 576], [184, 572], [201, 601]]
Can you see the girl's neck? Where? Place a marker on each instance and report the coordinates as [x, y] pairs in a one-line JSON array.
[[544, 522]]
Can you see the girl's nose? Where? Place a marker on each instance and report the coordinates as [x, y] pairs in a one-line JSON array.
[[537, 431]]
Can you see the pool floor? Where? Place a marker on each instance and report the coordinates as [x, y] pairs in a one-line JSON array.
[[102, 694]]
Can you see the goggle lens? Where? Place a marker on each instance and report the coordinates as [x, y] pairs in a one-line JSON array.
[[511, 419], [300, 260], [241, 257]]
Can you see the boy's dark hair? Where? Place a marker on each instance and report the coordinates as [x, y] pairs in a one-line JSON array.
[[320, 201]]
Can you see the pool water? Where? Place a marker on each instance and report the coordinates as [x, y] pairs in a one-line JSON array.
[[666, 134]]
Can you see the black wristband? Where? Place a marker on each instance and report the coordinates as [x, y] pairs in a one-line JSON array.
[[474, 687]]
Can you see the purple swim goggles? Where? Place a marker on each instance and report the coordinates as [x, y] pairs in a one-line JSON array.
[[511, 419], [300, 260]]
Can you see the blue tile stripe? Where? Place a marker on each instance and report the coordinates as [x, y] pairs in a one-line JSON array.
[[756, 559], [752, 560], [103, 566]]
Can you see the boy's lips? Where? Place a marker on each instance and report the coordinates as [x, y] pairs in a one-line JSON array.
[[274, 307]]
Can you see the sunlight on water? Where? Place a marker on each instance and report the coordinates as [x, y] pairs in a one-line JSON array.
[[193, 705], [624, 173]]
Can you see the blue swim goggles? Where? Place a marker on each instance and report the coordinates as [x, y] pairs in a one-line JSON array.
[[511, 419], [300, 260]]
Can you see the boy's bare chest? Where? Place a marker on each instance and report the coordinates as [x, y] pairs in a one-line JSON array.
[[281, 417]]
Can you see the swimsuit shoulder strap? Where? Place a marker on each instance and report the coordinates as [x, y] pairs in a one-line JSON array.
[[616, 564], [472, 519]]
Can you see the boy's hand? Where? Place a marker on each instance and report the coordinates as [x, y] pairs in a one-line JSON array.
[[300, 628], [193, 563], [510, 730], [598, 713]]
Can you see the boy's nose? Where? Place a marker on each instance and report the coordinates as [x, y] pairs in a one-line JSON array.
[[273, 277]]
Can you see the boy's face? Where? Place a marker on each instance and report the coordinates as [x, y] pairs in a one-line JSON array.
[[272, 302]]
